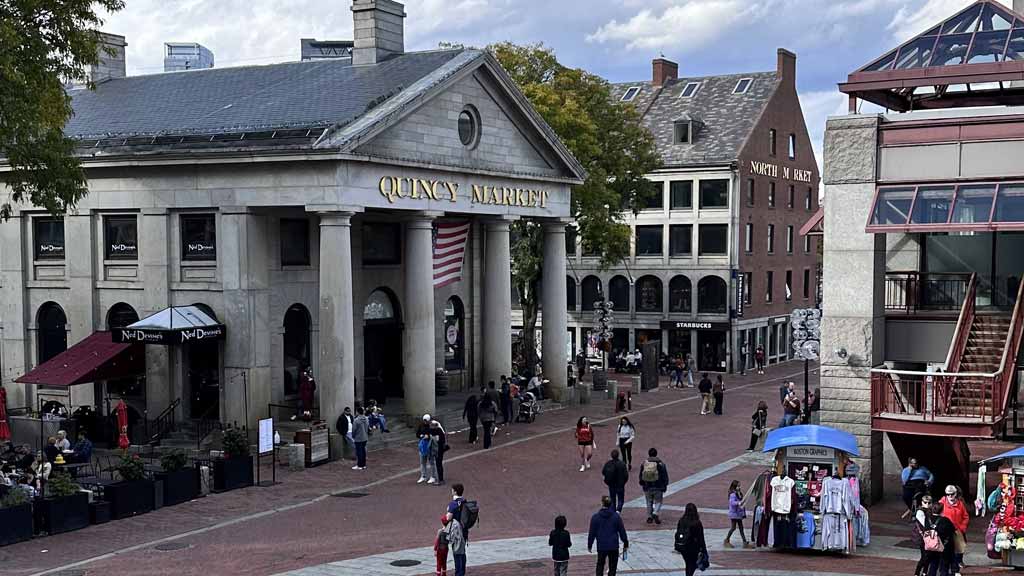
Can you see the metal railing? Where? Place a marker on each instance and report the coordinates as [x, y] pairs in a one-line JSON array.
[[964, 322], [207, 423], [910, 292], [165, 423]]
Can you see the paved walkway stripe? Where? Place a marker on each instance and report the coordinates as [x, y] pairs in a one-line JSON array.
[[705, 474], [410, 472]]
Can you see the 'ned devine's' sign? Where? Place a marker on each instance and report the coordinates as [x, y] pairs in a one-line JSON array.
[[166, 337]]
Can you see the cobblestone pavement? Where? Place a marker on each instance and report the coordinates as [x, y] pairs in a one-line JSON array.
[[333, 520]]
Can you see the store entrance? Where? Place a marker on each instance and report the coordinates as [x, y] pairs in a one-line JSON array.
[[202, 361], [711, 351], [382, 347]]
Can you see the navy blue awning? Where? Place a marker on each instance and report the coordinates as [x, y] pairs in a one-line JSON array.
[[811, 435]]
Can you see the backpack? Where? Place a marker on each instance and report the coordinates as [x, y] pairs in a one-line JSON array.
[[469, 513], [649, 472], [932, 542]]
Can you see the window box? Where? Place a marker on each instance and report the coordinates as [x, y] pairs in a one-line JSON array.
[[129, 498], [15, 524], [65, 514], [231, 473]]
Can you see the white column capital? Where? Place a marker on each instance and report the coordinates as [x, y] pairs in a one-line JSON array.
[[498, 225], [339, 218]]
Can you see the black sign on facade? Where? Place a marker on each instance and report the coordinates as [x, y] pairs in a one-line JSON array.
[[121, 237], [168, 337], [693, 325], [740, 294], [198, 237]]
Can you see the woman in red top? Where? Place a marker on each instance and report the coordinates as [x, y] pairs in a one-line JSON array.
[[954, 509], [585, 442]]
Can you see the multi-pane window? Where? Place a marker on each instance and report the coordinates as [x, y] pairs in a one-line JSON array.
[[714, 193], [648, 240], [789, 239], [792, 146], [294, 242], [751, 199], [789, 285], [771, 141], [807, 283], [656, 199], [769, 282], [771, 238], [680, 194], [198, 237], [748, 239], [48, 236], [680, 239], [713, 239], [807, 244], [771, 194], [748, 286], [789, 198], [809, 200], [121, 238]]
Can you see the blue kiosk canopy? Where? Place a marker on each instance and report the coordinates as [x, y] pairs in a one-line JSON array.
[[811, 435], [1015, 453]]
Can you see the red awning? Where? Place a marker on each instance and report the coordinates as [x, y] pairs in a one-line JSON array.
[[97, 357], [815, 225]]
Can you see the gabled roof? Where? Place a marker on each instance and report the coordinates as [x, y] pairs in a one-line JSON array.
[[726, 118], [981, 44]]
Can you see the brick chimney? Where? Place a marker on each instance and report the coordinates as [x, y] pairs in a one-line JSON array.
[[109, 65], [786, 69], [378, 30], [664, 70]]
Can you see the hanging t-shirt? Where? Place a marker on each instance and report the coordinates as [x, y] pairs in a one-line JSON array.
[[782, 498], [805, 536]]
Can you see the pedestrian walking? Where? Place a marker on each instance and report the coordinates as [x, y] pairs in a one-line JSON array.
[[425, 447], [492, 393], [360, 434], [718, 394], [440, 438], [585, 443], [691, 370], [626, 434], [916, 480], [506, 401], [678, 367], [615, 476], [441, 548], [923, 521], [942, 562], [488, 414], [758, 424], [307, 388], [471, 414], [759, 359], [705, 394], [690, 540], [736, 515], [654, 481], [954, 509], [560, 542], [606, 529], [743, 358]]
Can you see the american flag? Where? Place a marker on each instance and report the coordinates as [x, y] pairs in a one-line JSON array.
[[450, 238]]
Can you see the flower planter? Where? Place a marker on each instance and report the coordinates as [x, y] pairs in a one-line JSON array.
[[129, 498], [180, 485], [15, 524], [231, 473], [63, 514]]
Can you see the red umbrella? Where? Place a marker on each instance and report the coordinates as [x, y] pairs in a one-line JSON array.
[[122, 425], [5, 430]]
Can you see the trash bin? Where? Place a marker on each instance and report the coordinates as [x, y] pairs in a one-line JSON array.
[[613, 389], [584, 393], [600, 380]]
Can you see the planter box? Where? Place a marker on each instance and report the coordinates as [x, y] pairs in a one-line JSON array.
[[15, 524], [58, 515], [129, 498], [180, 486], [99, 512], [231, 473]]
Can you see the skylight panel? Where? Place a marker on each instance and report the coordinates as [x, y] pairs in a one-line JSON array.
[[743, 85], [630, 94], [690, 90]]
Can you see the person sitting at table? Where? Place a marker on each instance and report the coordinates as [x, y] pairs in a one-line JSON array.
[[51, 449], [40, 471], [83, 450], [25, 485], [63, 444], [7, 475]]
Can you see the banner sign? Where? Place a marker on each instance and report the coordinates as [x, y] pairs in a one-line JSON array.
[[168, 337]]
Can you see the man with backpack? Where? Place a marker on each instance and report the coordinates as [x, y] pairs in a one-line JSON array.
[[654, 481], [615, 477], [467, 513]]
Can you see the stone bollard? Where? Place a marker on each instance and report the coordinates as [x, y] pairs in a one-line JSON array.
[[296, 456], [636, 385], [613, 389], [584, 394]]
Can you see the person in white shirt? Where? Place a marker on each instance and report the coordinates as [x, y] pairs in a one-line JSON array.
[[63, 444]]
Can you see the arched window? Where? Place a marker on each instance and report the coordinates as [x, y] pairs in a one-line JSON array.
[[379, 306], [121, 315], [680, 295], [570, 293], [591, 292], [52, 331], [454, 334], [648, 294], [618, 291], [297, 323], [206, 310], [712, 295]]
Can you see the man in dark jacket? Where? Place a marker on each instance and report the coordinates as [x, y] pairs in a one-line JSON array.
[[615, 476], [506, 401], [606, 529], [654, 481], [471, 414]]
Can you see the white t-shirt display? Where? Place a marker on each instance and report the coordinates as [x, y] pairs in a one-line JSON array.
[[782, 499]]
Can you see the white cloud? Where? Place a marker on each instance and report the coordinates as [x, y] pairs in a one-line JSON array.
[[817, 107]]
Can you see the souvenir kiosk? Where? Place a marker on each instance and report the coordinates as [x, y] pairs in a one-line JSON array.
[[810, 497], [1004, 538]]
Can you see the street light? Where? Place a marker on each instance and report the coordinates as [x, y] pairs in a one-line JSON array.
[[806, 323]]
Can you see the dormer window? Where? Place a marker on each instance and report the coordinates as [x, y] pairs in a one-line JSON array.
[[743, 85], [690, 90], [683, 132], [630, 94]]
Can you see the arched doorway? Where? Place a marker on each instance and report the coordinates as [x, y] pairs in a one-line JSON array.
[[382, 347], [618, 292], [591, 292], [121, 315], [202, 373], [296, 346], [52, 331], [454, 335]]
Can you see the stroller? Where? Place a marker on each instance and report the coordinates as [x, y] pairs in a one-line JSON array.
[[529, 407]]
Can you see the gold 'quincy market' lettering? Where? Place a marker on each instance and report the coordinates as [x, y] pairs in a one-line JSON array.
[[772, 171], [394, 188]]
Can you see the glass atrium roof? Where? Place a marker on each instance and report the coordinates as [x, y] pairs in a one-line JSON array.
[[948, 207]]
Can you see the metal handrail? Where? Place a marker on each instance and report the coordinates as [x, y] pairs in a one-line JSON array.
[[205, 426], [166, 421], [1013, 338], [963, 326]]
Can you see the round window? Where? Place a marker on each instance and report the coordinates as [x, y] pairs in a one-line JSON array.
[[469, 127]]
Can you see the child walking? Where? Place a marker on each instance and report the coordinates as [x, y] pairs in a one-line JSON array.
[[560, 542], [736, 514], [441, 548]]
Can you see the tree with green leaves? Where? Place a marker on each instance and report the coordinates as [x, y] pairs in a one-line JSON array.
[[43, 45], [608, 139]]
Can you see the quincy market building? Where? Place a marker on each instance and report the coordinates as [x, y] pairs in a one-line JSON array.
[[291, 210]]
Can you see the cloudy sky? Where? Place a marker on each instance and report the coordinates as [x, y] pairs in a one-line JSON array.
[[614, 38]]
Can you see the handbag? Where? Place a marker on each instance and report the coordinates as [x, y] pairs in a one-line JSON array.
[[932, 543], [703, 563]]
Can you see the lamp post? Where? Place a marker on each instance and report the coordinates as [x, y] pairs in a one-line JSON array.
[[806, 323]]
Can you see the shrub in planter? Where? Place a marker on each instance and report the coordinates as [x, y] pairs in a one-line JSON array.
[[65, 507], [235, 469], [15, 518], [181, 484], [236, 443], [134, 494]]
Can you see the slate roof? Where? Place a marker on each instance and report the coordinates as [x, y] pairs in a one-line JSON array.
[[724, 120], [312, 94]]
